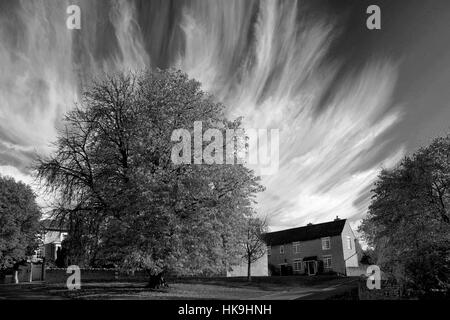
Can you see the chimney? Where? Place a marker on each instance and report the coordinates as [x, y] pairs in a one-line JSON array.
[[337, 218], [309, 224]]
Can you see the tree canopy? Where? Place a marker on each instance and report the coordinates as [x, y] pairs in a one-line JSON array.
[[408, 221], [19, 222], [126, 202]]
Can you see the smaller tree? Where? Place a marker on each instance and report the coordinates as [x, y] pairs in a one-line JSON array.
[[19, 223], [254, 244]]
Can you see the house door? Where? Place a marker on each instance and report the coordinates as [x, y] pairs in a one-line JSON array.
[[283, 270], [311, 267]]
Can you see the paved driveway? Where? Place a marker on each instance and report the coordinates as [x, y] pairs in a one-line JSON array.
[[318, 292]]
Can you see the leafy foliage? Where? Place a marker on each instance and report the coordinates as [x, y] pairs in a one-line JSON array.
[[19, 222], [408, 221], [127, 203]]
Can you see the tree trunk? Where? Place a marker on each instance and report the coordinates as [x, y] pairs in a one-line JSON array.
[[157, 281], [249, 270]]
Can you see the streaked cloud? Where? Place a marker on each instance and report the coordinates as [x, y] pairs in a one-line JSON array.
[[267, 60]]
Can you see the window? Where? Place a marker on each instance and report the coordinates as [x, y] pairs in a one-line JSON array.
[[327, 262], [281, 249], [326, 244], [349, 243], [269, 250], [298, 265], [296, 247]]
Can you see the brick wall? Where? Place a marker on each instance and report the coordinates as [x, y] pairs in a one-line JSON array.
[[59, 275], [359, 271]]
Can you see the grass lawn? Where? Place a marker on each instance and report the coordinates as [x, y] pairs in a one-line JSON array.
[[177, 290], [217, 288]]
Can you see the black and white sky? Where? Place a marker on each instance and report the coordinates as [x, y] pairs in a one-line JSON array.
[[347, 100]]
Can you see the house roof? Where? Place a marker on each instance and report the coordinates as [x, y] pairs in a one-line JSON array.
[[310, 232], [54, 225]]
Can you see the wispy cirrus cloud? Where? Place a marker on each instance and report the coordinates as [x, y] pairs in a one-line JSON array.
[[267, 60], [328, 158]]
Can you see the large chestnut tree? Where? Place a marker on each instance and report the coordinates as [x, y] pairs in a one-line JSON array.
[[126, 202]]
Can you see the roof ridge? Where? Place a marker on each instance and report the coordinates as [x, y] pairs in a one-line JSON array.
[[316, 224]]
